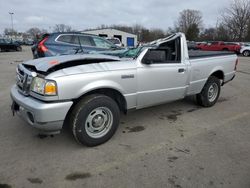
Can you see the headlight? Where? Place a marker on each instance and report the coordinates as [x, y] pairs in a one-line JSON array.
[[44, 87]]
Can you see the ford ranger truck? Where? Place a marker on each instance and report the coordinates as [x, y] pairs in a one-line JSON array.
[[88, 92]]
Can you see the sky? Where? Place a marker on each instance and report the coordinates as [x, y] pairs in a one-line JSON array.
[[84, 14]]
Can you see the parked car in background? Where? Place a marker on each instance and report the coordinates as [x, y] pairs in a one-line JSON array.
[[70, 43], [8, 45], [28, 42], [199, 43], [220, 46], [115, 41], [192, 45], [245, 44], [20, 42], [245, 51]]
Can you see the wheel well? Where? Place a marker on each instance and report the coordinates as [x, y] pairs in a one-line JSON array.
[[219, 75], [112, 93]]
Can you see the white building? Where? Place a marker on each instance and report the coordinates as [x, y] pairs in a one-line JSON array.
[[128, 39]]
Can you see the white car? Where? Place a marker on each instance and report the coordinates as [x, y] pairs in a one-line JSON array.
[[115, 41], [245, 51]]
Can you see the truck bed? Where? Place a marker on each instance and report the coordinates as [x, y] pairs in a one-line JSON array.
[[195, 54]]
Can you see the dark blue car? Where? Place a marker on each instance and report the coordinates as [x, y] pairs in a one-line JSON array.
[[70, 43], [9, 45]]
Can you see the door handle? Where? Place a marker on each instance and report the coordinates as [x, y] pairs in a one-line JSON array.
[[181, 70]]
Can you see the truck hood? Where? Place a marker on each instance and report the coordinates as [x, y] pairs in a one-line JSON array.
[[51, 64]]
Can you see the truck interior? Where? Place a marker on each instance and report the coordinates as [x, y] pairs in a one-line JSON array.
[[166, 52]]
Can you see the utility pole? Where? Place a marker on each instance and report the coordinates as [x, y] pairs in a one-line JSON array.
[[11, 17]]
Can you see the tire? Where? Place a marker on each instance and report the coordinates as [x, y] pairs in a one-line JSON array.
[[210, 92], [225, 50], [94, 119], [19, 48], [246, 53]]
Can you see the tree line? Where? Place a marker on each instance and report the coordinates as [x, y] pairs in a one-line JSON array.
[[233, 25], [34, 32]]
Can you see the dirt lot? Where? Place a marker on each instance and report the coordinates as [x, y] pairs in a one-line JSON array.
[[172, 145]]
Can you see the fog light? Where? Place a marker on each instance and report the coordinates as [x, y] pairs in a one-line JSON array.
[[31, 117]]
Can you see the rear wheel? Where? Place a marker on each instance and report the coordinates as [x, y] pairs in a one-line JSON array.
[[246, 53], [94, 119], [210, 92]]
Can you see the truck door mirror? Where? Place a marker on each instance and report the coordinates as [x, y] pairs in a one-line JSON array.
[[154, 56]]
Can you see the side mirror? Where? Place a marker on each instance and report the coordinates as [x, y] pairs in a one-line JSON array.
[[154, 56]]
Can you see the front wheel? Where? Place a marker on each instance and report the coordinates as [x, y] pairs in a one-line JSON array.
[[94, 119], [210, 92], [246, 53]]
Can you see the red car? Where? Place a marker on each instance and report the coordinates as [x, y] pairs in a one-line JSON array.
[[220, 46]]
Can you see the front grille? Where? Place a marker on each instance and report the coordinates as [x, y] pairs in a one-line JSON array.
[[23, 79]]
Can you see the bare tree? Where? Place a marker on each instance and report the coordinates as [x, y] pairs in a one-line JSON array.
[[247, 38], [208, 34], [9, 31], [236, 18], [222, 33], [218, 33], [62, 28], [189, 21], [193, 32], [34, 32]]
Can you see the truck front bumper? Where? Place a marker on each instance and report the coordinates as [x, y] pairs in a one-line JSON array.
[[48, 117]]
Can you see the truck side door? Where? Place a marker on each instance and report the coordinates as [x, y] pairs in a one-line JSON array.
[[162, 75]]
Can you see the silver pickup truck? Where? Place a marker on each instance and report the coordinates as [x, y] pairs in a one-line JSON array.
[[88, 91]]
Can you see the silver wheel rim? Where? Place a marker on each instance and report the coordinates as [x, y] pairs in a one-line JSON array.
[[99, 122], [213, 92], [246, 53]]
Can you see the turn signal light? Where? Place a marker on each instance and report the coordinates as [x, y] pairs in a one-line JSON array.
[[50, 88]]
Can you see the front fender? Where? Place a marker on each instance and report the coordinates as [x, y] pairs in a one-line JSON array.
[[100, 84]]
